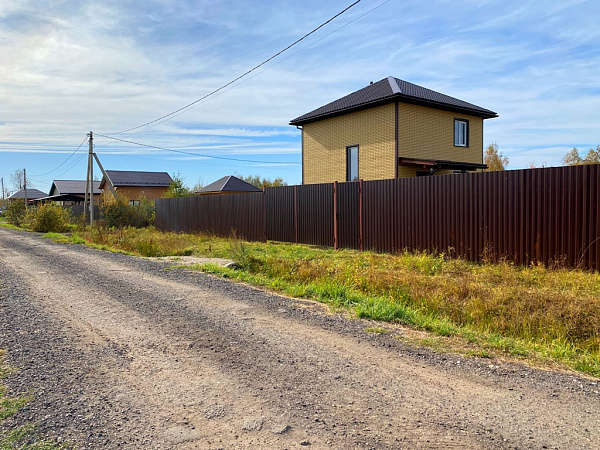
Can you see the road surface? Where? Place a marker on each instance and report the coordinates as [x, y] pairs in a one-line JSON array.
[[121, 353]]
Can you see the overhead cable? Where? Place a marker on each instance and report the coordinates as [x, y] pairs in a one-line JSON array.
[[195, 154], [241, 76], [61, 164], [214, 94]]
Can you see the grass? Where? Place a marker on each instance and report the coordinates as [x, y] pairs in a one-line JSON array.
[[535, 313], [20, 437]]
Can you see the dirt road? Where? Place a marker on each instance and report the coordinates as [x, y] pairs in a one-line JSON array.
[[120, 352]]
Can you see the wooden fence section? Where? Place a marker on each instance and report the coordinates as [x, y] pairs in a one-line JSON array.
[[536, 215]]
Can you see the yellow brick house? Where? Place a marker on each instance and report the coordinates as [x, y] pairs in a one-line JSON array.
[[390, 129]]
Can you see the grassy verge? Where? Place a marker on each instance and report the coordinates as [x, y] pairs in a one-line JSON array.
[[538, 314], [21, 437]]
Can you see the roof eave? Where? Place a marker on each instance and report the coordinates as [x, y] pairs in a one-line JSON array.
[[397, 98]]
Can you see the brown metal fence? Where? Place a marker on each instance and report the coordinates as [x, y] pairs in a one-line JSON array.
[[548, 215]]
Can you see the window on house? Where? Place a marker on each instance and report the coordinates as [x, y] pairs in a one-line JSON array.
[[134, 202], [352, 163], [461, 133]]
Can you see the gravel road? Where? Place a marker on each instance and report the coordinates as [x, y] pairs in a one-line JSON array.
[[121, 353]]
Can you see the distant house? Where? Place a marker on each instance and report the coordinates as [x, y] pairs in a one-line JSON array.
[[390, 129], [30, 194], [70, 192], [134, 185], [228, 185]]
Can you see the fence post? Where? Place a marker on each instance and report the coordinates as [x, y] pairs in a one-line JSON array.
[[296, 213], [335, 216], [264, 196], [360, 215]]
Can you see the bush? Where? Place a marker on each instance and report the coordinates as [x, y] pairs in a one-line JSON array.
[[119, 213], [16, 212], [48, 217]]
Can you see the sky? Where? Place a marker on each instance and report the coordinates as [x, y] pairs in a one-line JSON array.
[[70, 67]]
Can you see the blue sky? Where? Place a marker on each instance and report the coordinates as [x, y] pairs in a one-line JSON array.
[[70, 67]]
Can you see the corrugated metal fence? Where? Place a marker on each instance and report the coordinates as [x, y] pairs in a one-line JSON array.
[[537, 215]]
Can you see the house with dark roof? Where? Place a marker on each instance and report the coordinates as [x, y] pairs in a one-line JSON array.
[[135, 185], [228, 185], [30, 194], [70, 192], [390, 129]]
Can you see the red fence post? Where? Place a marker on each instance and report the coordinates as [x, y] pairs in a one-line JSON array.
[[265, 214], [360, 215], [296, 213], [335, 216]]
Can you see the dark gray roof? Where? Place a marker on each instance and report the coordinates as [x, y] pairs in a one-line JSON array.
[[72, 187], [137, 178], [389, 90], [31, 194], [229, 184]]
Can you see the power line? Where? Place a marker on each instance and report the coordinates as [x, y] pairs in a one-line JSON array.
[[61, 164], [213, 94], [196, 154], [241, 76]]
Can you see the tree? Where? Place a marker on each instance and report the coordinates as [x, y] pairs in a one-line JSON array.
[[494, 159], [17, 179], [573, 158], [199, 185], [257, 181], [178, 188]]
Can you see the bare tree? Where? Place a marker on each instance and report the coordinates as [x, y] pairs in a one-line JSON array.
[[17, 179]]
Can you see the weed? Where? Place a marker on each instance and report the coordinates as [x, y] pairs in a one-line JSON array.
[[9, 406], [377, 330]]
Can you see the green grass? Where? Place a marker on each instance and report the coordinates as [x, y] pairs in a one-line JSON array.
[[9, 406], [9, 226], [533, 313]]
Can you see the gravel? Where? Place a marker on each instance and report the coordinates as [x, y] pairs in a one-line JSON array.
[[121, 353]]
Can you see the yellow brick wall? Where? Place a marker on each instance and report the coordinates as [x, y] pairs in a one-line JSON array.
[[428, 133], [325, 142], [134, 193], [423, 132]]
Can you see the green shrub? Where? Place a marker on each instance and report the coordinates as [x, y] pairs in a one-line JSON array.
[[48, 217], [118, 213], [16, 212]]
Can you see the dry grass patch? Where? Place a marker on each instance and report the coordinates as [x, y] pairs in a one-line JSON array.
[[551, 313]]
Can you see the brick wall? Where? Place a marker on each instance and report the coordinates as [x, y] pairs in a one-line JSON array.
[[325, 142], [134, 193], [429, 133], [423, 132]]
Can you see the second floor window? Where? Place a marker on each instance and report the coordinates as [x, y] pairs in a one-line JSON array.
[[461, 133], [352, 163]]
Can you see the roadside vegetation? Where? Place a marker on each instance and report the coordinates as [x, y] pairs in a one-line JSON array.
[[546, 316], [43, 218], [23, 437]]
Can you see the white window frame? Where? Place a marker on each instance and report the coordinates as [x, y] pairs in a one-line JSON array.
[[352, 160], [461, 133]]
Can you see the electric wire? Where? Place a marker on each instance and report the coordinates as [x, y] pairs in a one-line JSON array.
[[196, 154], [215, 94], [64, 162], [241, 76]]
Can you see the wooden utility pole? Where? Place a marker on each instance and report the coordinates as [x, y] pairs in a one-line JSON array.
[[25, 185]]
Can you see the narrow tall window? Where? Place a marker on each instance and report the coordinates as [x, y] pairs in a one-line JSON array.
[[352, 163], [461, 133]]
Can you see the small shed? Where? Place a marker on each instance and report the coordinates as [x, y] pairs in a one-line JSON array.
[[228, 185]]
